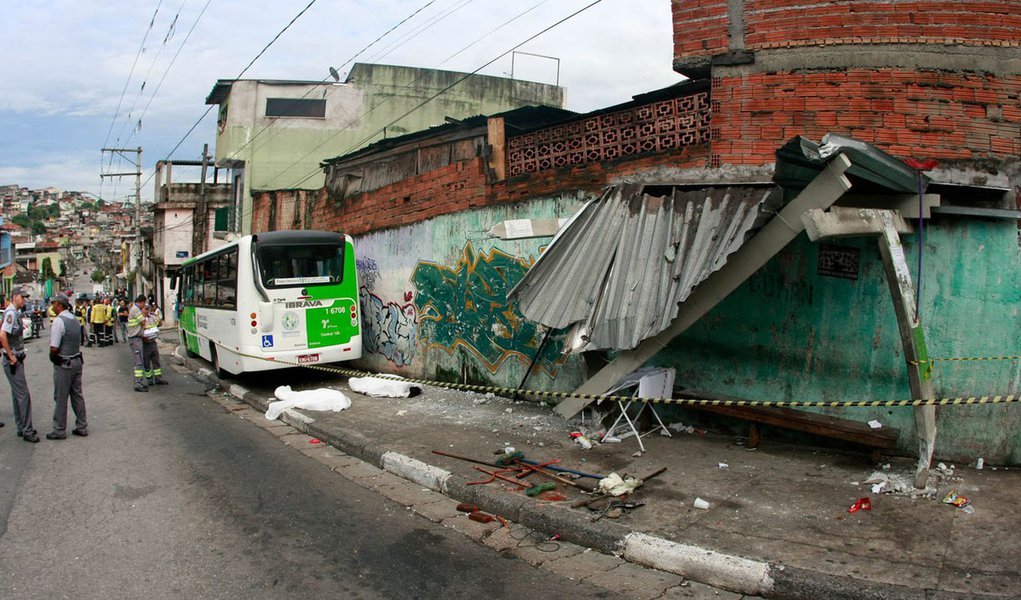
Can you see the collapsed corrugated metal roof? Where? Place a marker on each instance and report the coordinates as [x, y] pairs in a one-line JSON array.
[[800, 160], [620, 268]]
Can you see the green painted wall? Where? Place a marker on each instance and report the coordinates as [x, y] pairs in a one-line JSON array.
[[789, 333], [434, 300]]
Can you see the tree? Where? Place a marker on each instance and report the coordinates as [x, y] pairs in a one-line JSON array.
[[63, 269], [38, 228], [98, 276], [48, 269]]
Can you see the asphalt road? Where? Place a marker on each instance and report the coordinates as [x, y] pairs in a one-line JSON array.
[[171, 497]]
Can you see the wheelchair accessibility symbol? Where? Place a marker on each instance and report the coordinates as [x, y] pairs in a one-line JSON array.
[[267, 341]]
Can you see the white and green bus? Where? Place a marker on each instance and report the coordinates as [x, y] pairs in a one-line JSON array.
[[272, 300]]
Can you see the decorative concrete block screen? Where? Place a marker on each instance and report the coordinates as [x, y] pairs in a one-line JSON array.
[[652, 127]]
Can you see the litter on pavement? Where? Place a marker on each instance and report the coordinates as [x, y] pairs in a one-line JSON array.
[[320, 399]]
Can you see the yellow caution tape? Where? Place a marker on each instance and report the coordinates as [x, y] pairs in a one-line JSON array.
[[962, 358], [505, 391]]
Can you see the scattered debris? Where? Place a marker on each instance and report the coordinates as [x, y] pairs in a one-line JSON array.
[[723, 466], [955, 499], [466, 507], [580, 439], [481, 517], [315, 441], [535, 490], [980, 463], [862, 504], [701, 504], [615, 485], [679, 427], [874, 424]]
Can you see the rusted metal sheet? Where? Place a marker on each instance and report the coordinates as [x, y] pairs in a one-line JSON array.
[[618, 271]]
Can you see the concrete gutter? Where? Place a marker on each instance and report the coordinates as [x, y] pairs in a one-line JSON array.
[[704, 565]]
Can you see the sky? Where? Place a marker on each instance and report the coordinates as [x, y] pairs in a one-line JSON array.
[[73, 71]]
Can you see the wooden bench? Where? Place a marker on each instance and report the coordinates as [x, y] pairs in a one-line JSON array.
[[878, 440]]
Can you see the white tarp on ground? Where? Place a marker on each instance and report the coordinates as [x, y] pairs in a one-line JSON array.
[[321, 399], [382, 388]]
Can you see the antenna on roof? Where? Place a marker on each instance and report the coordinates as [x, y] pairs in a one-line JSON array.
[[335, 74]]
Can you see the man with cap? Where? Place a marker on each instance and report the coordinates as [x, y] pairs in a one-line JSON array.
[[66, 356], [13, 341]]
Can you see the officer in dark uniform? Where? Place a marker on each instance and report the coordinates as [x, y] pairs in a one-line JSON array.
[[12, 338], [66, 356]]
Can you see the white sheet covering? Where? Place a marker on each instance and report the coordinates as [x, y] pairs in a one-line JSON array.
[[320, 399], [382, 388]]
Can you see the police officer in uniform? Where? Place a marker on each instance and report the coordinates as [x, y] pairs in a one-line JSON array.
[[66, 356], [12, 338]]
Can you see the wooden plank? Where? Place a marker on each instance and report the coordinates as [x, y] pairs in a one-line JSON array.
[[823, 425]]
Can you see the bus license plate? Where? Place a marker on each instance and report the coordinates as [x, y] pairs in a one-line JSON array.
[[308, 358]]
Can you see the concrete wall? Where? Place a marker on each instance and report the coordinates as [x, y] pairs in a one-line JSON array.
[[433, 300], [370, 105], [175, 236]]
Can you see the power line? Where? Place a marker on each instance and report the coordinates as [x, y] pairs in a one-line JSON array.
[[417, 31], [141, 48], [243, 71], [252, 140], [433, 97], [145, 79]]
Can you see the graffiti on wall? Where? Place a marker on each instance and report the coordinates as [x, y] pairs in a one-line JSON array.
[[388, 328], [368, 272], [466, 306]]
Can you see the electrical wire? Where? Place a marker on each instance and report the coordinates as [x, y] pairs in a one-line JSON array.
[[243, 71], [430, 98], [141, 48], [268, 126], [174, 59], [145, 79]]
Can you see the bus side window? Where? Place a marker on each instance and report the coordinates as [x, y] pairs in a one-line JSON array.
[[188, 286], [226, 291], [209, 282]]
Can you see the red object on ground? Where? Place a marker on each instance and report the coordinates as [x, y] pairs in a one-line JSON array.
[[861, 504], [552, 496], [315, 441], [481, 517], [467, 508]]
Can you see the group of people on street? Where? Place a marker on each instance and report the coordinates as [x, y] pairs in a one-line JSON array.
[[103, 320], [88, 323], [66, 356]]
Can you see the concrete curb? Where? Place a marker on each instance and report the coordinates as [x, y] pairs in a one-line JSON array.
[[717, 569]]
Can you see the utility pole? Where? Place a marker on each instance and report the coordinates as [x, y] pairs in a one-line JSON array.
[[201, 217], [138, 192]]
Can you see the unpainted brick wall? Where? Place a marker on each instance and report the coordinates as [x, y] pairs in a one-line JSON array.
[[907, 113], [454, 188], [700, 26]]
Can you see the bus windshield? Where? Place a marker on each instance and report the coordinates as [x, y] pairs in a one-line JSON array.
[[293, 266]]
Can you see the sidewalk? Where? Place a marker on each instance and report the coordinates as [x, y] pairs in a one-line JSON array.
[[778, 523]]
